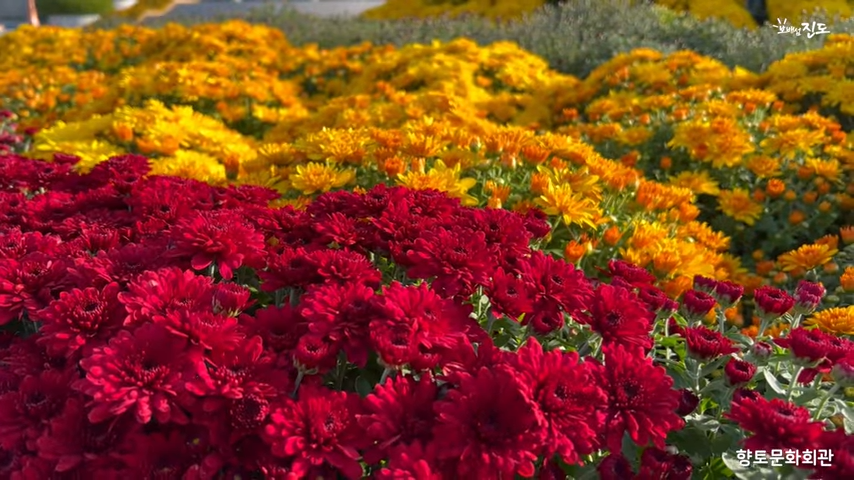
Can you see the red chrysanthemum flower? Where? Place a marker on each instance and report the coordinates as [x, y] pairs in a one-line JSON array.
[[510, 294], [738, 372], [558, 281], [80, 319], [236, 389], [122, 265], [26, 411], [231, 374], [290, 268], [220, 238], [619, 317], [641, 400], [400, 412], [315, 354], [337, 229], [615, 467], [657, 464], [409, 463], [142, 372], [490, 425], [319, 428], [457, 258], [341, 313], [175, 453], [841, 467], [634, 275], [251, 457], [571, 402], [230, 299], [808, 295], [155, 295], [696, 305], [688, 402], [81, 447], [726, 293], [415, 325], [809, 346], [775, 424], [204, 329], [121, 171], [505, 230], [706, 344], [27, 285], [772, 302], [657, 301], [344, 267], [280, 328]]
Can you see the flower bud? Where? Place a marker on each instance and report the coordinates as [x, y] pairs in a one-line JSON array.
[[762, 350], [696, 305], [843, 372], [738, 372], [687, 402], [743, 394], [808, 296], [772, 302]]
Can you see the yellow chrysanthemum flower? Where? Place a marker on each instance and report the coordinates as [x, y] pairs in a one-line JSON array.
[[807, 257], [320, 177], [573, 207], [738, 205], [442, 178], [699, 182], [839, 320]]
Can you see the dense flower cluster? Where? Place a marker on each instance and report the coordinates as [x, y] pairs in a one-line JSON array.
[[735, 11], [163, 327], [680, 164]]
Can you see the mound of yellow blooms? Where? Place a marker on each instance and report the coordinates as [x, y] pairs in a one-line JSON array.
[[733, 11], [668, 161]]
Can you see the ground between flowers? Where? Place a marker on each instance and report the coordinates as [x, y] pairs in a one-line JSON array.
[[158, 327]]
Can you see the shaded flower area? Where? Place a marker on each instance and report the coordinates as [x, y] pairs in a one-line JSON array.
[[160, 327]]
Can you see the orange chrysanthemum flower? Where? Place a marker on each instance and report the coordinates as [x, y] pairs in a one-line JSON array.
[[807, 257]]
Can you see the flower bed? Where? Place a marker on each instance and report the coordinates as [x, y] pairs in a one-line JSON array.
[[735, 11], [171, 327], [672, 162]]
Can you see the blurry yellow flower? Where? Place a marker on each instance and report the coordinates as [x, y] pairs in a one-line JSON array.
[[320, 177], [827, 169], [190, 164], [573, 207], [788, 143], [846, 280], [441, 178], [738, 205], [764, 166], [699, 182], [839, 320], [806, 257]]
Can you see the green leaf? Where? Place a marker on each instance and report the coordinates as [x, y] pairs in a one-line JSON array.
[[714, 366], [847, 415], [773, 383], [692, 441], [363, 387]]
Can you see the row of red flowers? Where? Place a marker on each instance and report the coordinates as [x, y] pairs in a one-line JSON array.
[[163, 328]]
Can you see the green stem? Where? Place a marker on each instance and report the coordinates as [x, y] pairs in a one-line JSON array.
[[385, 375], [793, 383], [490, 321], [339, 376], [824, 401], [300, 376]]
